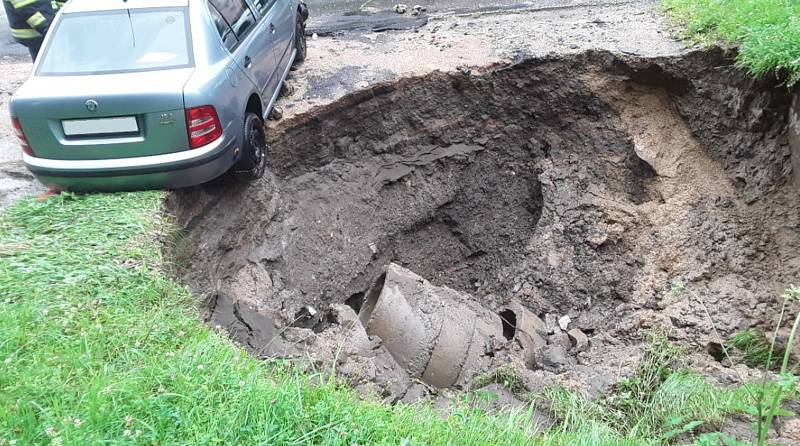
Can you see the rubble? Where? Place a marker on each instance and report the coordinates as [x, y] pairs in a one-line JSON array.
[[580, 341]]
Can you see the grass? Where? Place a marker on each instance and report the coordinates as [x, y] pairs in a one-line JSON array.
[[679, 405], [755, 349], [505, 375], [659, 402], [98, 346], [767, 31]]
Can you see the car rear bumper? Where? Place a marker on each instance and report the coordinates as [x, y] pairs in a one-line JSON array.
[[167, 171]]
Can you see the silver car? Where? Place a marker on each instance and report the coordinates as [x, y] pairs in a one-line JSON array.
[[143, 94]]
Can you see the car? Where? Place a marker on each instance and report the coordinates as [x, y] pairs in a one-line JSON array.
[[152, 94]]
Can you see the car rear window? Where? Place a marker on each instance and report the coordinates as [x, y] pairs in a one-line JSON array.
[[118, 41]]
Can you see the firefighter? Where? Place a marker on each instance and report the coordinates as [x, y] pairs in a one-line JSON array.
[[29, 21]]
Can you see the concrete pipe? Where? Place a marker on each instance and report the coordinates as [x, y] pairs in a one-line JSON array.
[[529, 330], [435, 333], [388, 314]]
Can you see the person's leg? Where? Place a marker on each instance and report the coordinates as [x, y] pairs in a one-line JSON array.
[[33, 48]]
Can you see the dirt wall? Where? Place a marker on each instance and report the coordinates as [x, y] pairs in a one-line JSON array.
[[794, 137]]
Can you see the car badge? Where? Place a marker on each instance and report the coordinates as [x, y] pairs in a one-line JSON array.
[[166, 119], [91, 105]]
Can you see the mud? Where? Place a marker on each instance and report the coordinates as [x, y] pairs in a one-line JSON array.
[[617, 191]]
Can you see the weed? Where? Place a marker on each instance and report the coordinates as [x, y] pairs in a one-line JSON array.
[[765, 401], [769, 406], [633, 394], [659, 402]]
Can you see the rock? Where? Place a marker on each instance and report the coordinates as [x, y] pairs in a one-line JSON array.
[[415, 393], [564, 322], [296, 335], [400, 8], [580, 341], [287, 89], [275, 114], [343, 315], [552, 357], [417, 10], [599, 385], [560, 338], [783, 339], [597, 240], [251, 282], [551, 323], [347, 318]]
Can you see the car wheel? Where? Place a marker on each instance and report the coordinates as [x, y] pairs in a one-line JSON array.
[[253, 163], [300, 41]]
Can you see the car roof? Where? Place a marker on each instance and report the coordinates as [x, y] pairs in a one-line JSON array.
[[111, 5]]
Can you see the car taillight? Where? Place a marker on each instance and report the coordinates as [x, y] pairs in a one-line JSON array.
[[23, 141], [203, 125]]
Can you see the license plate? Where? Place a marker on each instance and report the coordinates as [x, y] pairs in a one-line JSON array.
[[100, 126]]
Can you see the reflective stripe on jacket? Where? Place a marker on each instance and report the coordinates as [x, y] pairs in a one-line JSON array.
[[29, 20]]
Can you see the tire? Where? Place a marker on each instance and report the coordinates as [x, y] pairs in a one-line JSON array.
[[300, 40], [253, 163]]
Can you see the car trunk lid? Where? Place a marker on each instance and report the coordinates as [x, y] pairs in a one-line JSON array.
[[117, 115]]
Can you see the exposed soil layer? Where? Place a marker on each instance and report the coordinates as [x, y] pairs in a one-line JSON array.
[[587, 186]]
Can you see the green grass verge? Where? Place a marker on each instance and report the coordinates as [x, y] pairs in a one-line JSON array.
[[767, 31], [98, 346]]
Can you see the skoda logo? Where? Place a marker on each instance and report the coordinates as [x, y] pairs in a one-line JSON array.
[[91, 105]]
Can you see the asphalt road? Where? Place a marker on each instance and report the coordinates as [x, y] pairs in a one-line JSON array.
[[331, 8], [326, 7], [319, 8]]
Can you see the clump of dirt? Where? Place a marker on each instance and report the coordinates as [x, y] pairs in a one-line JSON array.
[[605, 195]]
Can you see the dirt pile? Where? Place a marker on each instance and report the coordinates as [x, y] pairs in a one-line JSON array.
[[588, 190]]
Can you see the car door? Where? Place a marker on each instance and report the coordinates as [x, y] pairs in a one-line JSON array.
[[283, 32], [253, 51], [267, 9]]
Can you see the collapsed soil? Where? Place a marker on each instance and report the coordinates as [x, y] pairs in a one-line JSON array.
[[625, 193]]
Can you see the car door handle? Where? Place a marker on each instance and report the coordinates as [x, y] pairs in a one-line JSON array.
[[272, 28], [248, 62]]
